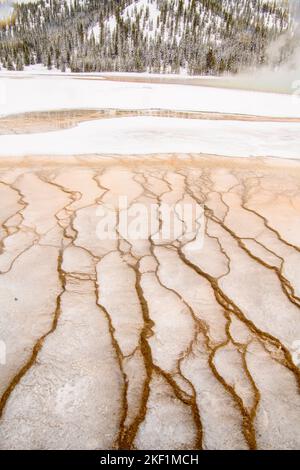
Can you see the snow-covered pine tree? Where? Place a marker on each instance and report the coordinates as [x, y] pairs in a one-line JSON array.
[[198, 36]]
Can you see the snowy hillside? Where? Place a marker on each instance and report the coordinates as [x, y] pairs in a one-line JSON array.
[[156, 17], [195, 36]]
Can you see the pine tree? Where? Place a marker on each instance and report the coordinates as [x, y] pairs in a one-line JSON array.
[[49, 62], [202, 36], [210, 62]]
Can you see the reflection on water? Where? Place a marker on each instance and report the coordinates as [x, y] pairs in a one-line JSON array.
[[47, 121]]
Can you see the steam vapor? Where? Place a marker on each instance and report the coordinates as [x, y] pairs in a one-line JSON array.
[[283, 78]]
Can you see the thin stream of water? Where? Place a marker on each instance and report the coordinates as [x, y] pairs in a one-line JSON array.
[[47, 121]]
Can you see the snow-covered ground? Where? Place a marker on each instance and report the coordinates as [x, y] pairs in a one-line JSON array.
[[6, 7], [142, 135], [46, 93]]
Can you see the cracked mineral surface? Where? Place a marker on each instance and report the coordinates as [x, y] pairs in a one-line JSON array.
[[152, 342]]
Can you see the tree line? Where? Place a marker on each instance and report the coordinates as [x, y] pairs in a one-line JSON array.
[[197, 36]]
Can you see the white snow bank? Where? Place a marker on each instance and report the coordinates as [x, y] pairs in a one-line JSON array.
[[142, 135], [50, 93]]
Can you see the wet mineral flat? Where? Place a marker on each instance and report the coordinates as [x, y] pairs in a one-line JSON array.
[[165, 340]]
